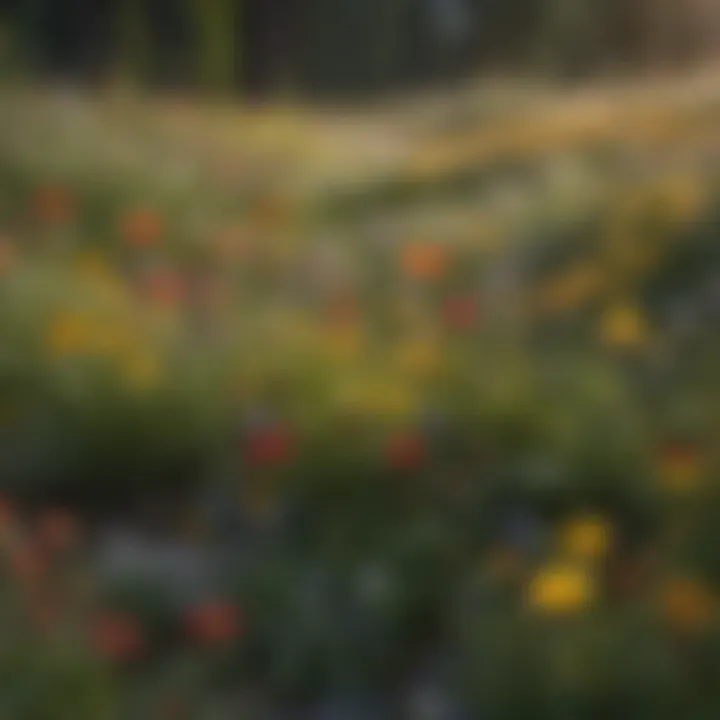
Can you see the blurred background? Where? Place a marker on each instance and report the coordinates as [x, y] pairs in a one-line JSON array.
[[359, 359]]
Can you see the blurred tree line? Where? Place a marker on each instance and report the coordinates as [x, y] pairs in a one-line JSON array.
[[332, 46]]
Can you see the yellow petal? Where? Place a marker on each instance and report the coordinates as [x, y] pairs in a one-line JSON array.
[[588, 537], [561, 589]]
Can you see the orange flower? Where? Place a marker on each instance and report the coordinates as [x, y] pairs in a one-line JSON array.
[[214, 623], [688, 604], [624, 326], [117, 637], [406, 452], [142, 228], [53, 205], [424, 261], [58, 530]]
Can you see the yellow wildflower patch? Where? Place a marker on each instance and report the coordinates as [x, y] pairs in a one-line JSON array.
[[624, 326], [559, 589], [345, 342], [587, 537], [418, 357], [377, 396], [67, 334]]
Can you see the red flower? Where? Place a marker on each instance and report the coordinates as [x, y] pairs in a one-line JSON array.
[[461, 313], [214, 624], [117, 637], [142, 228], [270, 447], [406, 452], [166, 288]]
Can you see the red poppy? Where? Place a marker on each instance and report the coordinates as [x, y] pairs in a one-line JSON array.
[[117, 637], [166, 288], [214, 623], [406, 452], [461, 313], [142, 228], [270, 447]]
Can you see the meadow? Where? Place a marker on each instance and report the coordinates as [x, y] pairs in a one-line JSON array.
[[402, 413]]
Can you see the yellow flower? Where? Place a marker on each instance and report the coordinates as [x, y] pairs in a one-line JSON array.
[[558, 589], [587, 537], [376, 396], [67, 334], [419, 357], [345, 341], [624, 326]]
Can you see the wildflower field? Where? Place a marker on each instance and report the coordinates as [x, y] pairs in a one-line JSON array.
[[417, 415]]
